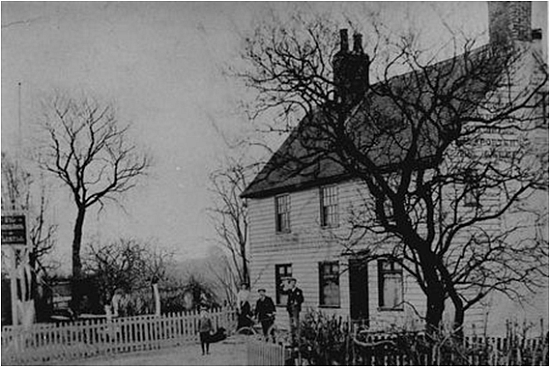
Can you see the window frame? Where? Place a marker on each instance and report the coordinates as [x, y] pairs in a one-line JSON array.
[[324, 219], [322, 280], [278, 280], [279, 220], [382, 273]]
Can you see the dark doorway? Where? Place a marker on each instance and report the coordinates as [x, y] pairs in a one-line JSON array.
[[358, 291]]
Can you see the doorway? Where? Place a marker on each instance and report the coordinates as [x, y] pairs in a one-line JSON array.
[[358, 291]]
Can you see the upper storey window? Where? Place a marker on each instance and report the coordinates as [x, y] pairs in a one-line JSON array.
[[282, 213], [329, 206]]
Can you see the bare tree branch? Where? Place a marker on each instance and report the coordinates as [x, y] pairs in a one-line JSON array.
[[90, 151], [417, 137]]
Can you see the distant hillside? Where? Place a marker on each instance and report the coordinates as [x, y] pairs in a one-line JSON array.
[[206, 270]]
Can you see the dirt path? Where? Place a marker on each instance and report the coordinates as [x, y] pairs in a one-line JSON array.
[[230, 352]]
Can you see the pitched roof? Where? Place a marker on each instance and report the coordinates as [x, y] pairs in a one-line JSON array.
[[377, 124]]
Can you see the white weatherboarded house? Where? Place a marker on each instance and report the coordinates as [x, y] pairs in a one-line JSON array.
[[297, 220]]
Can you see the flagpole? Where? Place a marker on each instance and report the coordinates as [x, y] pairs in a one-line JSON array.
[[19, 135]]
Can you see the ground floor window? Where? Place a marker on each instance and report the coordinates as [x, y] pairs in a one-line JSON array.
[[329, 284], [390, 285], [282, 271]]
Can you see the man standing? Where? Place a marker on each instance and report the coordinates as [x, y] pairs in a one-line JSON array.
[[293, 306], [265, 311]]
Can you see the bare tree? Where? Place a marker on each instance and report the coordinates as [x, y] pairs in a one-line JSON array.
[[26, 191], [90, 151], [229, 216], [412, 130], [222, 267], [16, 184], [22, 190], [125, 265]]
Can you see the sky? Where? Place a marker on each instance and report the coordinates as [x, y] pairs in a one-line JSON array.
[[163, 64]]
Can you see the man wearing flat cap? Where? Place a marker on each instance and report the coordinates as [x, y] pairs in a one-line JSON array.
[[293, 305], [265, 311]]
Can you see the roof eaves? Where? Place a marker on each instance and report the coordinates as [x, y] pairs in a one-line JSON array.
[[258, 194], [255, 190]]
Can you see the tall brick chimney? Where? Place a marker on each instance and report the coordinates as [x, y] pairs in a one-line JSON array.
[[351, 70], [509, 21]]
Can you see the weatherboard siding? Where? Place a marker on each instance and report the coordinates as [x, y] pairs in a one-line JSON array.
[[307, 245]]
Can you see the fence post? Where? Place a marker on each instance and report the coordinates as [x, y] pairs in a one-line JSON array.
[[157, 298]]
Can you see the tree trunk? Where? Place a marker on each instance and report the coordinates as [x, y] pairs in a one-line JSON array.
[[77, 242], [458, 304], [435, 308], [435, 293], [458, 320], [246, 277], [77, 264]]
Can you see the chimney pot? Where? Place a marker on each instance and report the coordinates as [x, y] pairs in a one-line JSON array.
[[358, 43], [344, 43], [509, 21], [350, 70]]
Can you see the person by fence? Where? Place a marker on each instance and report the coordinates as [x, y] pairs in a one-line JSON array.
[[78, 339], [205, 330], [244, 311], [265, 311], [293, 306]]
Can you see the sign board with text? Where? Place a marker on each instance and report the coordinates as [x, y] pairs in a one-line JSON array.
[[14, 229]]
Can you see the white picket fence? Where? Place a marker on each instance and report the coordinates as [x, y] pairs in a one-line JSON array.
[[43, 343], [260, 353]]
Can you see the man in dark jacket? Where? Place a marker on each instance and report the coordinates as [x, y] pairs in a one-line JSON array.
[[265, 311], [293, 306]]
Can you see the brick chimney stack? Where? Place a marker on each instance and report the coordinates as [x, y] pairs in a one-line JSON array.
[[358, 44], [351, 70], [509, 21], [344, 44]]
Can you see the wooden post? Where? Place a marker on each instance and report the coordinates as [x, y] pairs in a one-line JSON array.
[[108, 313], [13, 285], [157, 298]]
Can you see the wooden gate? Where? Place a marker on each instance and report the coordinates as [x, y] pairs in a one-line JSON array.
[[260, 353]]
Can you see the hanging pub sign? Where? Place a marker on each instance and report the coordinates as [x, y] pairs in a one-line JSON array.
[[14, 230]]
